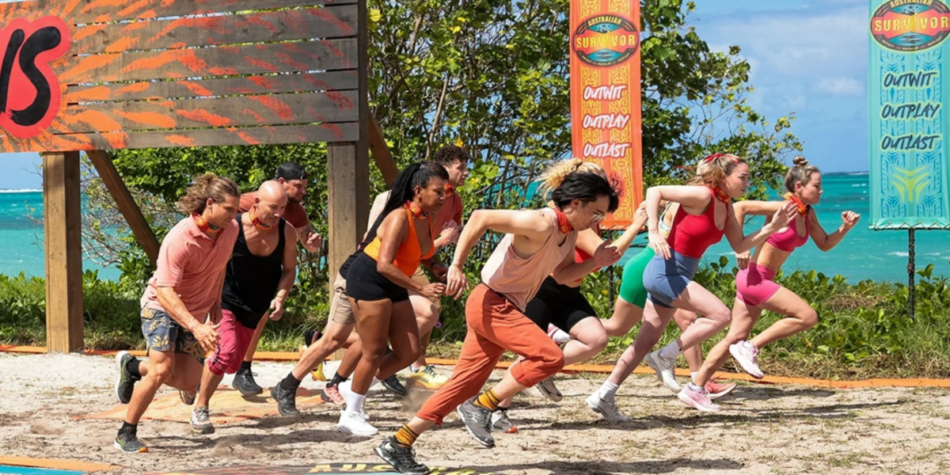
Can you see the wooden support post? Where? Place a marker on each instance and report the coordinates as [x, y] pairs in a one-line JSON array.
[[348, 171], [127, 205], [62, 227], [381, 155]]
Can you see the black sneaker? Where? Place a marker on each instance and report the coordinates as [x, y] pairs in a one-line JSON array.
[[126, 441], [478, 422], [403, 459], [245, 384], [286, 400], [201, 421], [310, 337], [125, 384], [394, 386]]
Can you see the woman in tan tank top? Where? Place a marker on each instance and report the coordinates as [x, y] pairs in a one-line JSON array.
[[537, 243]]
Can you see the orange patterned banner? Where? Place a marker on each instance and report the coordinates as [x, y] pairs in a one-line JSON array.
[[605, 95]]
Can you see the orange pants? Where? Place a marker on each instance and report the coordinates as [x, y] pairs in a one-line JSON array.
[[494, 325]]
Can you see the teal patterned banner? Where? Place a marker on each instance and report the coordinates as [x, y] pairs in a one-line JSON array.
[[908, 87]]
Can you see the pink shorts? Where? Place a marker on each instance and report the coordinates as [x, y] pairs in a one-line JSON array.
[[754, 285], [234, 339]]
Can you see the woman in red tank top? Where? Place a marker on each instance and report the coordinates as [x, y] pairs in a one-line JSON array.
[[755, 287], [704, 217]]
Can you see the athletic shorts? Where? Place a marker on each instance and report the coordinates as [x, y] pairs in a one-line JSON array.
[[164, 334], [558, 304], [665, 280], [631, 287], [363, 282], [340, 310], [754, 285], [233, 342]]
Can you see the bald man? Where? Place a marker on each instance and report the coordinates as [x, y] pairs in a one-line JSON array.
[[259, 277]]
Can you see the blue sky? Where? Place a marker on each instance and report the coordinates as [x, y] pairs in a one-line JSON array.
[[808, 57]]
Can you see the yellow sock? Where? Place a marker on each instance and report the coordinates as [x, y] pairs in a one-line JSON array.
[[406, 436], [487, 400]]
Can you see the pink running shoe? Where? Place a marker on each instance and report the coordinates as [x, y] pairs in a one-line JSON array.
[[717, 390], [331, 394], [697, 398], [747, 355]]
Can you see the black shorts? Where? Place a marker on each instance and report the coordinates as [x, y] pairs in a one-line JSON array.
[[363, 282], [559, 305]]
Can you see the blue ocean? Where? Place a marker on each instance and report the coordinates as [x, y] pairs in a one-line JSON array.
[[864, 254]]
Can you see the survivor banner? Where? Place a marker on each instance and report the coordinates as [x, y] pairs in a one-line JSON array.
[[908, 90], [605, 95]]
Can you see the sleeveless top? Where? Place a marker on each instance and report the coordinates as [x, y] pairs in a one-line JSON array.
[[250, 281], [519, 278], [580, 256], [691, 235], [409, 255], [789, 240]]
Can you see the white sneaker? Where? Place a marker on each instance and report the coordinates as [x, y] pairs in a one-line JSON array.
[[664, 368], [606, 408], [354, 423], [346, 390], [697, 397], [747, 355], [549, 390]]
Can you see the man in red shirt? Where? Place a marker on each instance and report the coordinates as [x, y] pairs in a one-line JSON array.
[[293, 177], [181, 303]]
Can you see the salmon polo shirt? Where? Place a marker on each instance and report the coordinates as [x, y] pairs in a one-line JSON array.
[[193, 264]]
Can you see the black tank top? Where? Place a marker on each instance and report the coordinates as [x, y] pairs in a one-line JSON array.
[[251, 281]]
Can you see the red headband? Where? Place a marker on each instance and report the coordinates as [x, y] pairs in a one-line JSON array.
[[717, 156]]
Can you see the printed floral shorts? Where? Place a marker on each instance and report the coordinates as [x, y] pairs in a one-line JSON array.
[[164, 334]]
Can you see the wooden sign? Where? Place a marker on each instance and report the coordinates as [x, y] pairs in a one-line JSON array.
[[114, 74]]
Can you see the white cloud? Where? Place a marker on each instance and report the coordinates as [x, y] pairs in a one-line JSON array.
[[840, 86], [798, 43]]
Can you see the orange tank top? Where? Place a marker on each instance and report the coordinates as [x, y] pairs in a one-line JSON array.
[[409, 255]]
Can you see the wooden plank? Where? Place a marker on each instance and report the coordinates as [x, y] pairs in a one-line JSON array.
[[104, 11], [346, 131], [127, 205], [348, 180], [231, 111], [254, 27], [258, 84], [320, 55], [62, 240], [381, 155]]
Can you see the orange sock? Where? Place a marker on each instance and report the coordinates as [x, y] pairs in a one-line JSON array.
[[487, 400], [406, 436]]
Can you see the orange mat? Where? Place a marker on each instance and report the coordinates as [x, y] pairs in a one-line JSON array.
[[227, 407], [56, 464]]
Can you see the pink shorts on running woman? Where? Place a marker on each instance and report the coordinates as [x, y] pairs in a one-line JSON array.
[[754, 285]]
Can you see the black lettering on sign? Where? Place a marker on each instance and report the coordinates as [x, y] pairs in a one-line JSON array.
[[29, 91]]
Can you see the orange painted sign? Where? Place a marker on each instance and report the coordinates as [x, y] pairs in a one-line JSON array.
[[605, 96], [113, 74]]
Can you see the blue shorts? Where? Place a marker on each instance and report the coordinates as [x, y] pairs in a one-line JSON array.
[[166, 335], [665, 280]]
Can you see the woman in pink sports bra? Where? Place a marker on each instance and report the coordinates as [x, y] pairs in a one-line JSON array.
[[755, 289]]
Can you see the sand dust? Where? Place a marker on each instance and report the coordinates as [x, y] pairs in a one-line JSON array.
[[762, 429]]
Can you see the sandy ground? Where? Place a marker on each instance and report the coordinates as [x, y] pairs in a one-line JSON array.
[[762, 429]]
